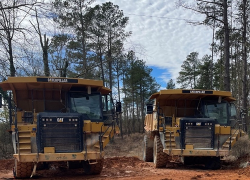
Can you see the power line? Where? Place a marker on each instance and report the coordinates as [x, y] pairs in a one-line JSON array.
[[161, 17]]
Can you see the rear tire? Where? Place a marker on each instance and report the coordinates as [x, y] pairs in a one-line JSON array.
[[93, 168], [22, 169], [147, 149], [160, 158]]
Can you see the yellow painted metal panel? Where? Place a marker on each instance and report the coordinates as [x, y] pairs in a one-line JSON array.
[[196, 152], [49, 149], [46, 157], [90, 82], [148, 122], [189, 146], [168, 94], [217, 129], [28, 127], [19, 116], [225, 129], [96, 126], [87, 126], [222, 129]]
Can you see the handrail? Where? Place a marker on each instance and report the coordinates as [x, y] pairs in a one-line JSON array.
[[231, 135], [16, 133], [112, 125], [85, 144]]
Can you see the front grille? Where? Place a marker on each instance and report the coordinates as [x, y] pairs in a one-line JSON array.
[[64, 132], [200, 137], [198, 132]]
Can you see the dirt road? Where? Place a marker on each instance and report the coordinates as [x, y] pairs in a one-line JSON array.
[[125, 168]]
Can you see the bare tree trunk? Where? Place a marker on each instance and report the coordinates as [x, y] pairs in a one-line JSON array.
[[44, 45], [11, 60], [110, 60], [101, 61], [45, 48], [84, 54], [244, 58], [226, 48]]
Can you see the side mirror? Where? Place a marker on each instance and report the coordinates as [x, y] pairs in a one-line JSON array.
[[149, 108], [118, 107]]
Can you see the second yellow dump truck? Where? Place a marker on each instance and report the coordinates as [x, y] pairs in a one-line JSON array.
[[200, 126], [59, 119]]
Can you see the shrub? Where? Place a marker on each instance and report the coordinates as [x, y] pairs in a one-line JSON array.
[[241, 147]]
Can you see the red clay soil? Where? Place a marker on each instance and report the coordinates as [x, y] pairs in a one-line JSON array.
[[128, 168]]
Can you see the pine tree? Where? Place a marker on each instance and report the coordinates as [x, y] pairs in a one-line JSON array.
[[170, 84], [189, 74]]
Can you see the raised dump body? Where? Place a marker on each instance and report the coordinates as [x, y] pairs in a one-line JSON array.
[[60, 119], [198, 125]]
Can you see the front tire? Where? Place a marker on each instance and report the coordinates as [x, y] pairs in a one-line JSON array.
[[213, 163], [188, 160], [74, 164], [93, 168], [160, 158], [22, 169]]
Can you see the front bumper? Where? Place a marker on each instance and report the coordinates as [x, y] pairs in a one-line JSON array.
[[47, 157], [196, 152]]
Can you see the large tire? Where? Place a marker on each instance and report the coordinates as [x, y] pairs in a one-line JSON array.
[[147, 149], [22, 169], [93, 168], [74, 164], [188, 160], [160, 158], [213, 163]]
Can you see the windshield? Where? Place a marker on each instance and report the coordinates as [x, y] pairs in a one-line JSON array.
[[217, 111], [86, 104]]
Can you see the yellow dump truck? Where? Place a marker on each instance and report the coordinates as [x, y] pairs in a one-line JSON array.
[[200, 126], [60, 119]]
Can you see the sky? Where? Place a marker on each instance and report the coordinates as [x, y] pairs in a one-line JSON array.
[[161, 36]]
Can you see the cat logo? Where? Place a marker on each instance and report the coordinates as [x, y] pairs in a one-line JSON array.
[[59, 119]]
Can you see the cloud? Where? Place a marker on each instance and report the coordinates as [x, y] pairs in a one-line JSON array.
[[164, 37]]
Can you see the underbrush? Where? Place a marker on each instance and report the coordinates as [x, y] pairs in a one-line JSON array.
[[128, 146], [240, 154]]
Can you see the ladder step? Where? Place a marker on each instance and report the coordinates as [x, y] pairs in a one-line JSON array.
[[172, 144], [25, 151], [24, 146], [24, 134], [168, 132], [24, 140], [168, 140]]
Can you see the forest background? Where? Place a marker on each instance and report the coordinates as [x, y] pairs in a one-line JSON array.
[[89, 42]]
